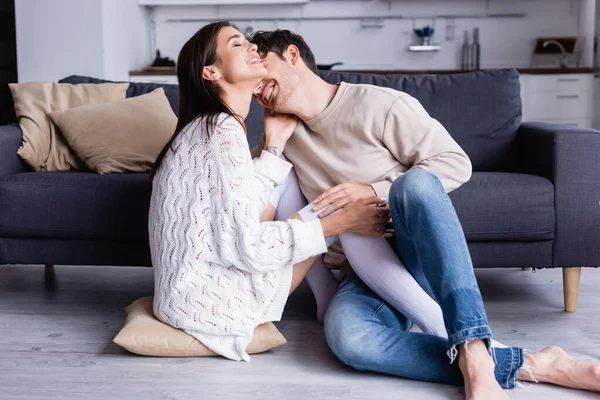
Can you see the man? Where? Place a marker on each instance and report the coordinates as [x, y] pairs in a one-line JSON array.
[[354, 141]]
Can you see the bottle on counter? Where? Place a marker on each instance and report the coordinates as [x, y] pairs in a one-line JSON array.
[[466, 50], [476, 51]]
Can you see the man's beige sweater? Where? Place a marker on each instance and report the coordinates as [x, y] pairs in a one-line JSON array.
[[373, 135]]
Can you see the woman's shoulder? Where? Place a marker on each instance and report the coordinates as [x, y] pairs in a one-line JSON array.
[[220, 121], [227, 121]]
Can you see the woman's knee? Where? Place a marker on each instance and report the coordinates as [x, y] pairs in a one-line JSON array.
[[287, 197]]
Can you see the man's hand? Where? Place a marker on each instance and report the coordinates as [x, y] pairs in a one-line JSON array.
[[342, 195]]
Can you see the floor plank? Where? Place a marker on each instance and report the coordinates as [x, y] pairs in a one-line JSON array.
[[56, 330]]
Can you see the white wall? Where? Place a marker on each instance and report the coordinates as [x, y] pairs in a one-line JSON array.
[[505, 42], [107, 38], [126, 38], [58, 38], [596, 120], [587, 28], [99, 38]]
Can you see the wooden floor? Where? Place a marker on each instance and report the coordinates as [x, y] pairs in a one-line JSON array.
[[56, 333]]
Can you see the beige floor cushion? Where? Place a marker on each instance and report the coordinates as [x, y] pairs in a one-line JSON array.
[[43, 147], [145, 335]]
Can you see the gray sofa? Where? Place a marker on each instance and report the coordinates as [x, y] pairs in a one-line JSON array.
[[533, 199]]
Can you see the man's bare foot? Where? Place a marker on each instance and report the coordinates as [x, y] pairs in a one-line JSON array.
[[477, 368], [554, 365]]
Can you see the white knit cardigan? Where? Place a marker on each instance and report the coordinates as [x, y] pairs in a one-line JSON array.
[[219, 272]]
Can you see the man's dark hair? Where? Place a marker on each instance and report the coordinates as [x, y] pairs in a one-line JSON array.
[[279, 40]]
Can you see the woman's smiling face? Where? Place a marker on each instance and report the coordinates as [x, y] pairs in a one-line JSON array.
[[238, 61]]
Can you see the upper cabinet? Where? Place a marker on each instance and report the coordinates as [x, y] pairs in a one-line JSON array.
[[215, 2]]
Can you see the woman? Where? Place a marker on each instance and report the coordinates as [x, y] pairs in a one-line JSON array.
[[219, 271]]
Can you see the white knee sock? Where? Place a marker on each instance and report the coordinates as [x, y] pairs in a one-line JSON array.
[[319, 277], [378, 266]]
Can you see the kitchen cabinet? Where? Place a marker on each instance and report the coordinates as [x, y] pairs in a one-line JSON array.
[[560, 99]]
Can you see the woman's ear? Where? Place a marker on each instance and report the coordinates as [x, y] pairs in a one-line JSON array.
[[293, 54], [210, 73]]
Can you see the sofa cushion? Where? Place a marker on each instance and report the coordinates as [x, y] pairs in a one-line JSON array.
[[82, 205], [75, 205], [135, 88], [43, 147], [481, 110], [122, 136], [501, 206]]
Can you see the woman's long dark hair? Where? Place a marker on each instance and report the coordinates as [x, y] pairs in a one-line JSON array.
[[197, 96]]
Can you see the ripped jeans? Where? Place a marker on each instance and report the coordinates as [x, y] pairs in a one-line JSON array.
[[367, 334]]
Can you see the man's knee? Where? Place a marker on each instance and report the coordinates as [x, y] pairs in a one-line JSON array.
[[414, 186]]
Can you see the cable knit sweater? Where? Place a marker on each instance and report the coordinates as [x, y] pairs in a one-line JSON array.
[[219, 272]]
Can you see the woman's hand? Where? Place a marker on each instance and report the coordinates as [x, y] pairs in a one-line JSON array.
[[360, 216], [278, 129]]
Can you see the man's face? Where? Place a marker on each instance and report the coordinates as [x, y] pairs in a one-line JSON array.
[[276, 91]]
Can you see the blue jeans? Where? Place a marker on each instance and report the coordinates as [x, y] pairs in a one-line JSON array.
[[365, 333]]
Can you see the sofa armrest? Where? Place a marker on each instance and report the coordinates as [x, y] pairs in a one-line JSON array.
[[11, 138], [570, 158]]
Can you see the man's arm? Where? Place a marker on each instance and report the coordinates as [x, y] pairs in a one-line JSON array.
[[419, 141]]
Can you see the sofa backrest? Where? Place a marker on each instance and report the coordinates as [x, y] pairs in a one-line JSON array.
[[134, 89], [481, 110]]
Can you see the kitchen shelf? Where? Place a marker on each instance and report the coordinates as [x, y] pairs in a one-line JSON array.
[[420, 48], [347, 18], [155, 3]]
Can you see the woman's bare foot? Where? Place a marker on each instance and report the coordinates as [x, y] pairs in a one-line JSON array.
[[477, 368], [554, 365]]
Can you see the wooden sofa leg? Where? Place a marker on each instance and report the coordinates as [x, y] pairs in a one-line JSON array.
[[571, 277], [526, 268]]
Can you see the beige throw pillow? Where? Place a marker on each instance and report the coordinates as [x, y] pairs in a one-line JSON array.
[[122, 136], [43, 146], [145, 335]]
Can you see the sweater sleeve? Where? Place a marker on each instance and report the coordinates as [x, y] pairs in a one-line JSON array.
[[419, 141], [269, 171], [261, 157], [243, 241]]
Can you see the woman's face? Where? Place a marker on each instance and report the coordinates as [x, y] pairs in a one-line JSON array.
[[238, 62]]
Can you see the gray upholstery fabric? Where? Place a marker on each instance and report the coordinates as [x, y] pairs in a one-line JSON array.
[[511, 254], [75, 205], [115, 206], [74, 252], [134, 89], [504, 206], [11, 138], [570, 158], [254, 123]]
